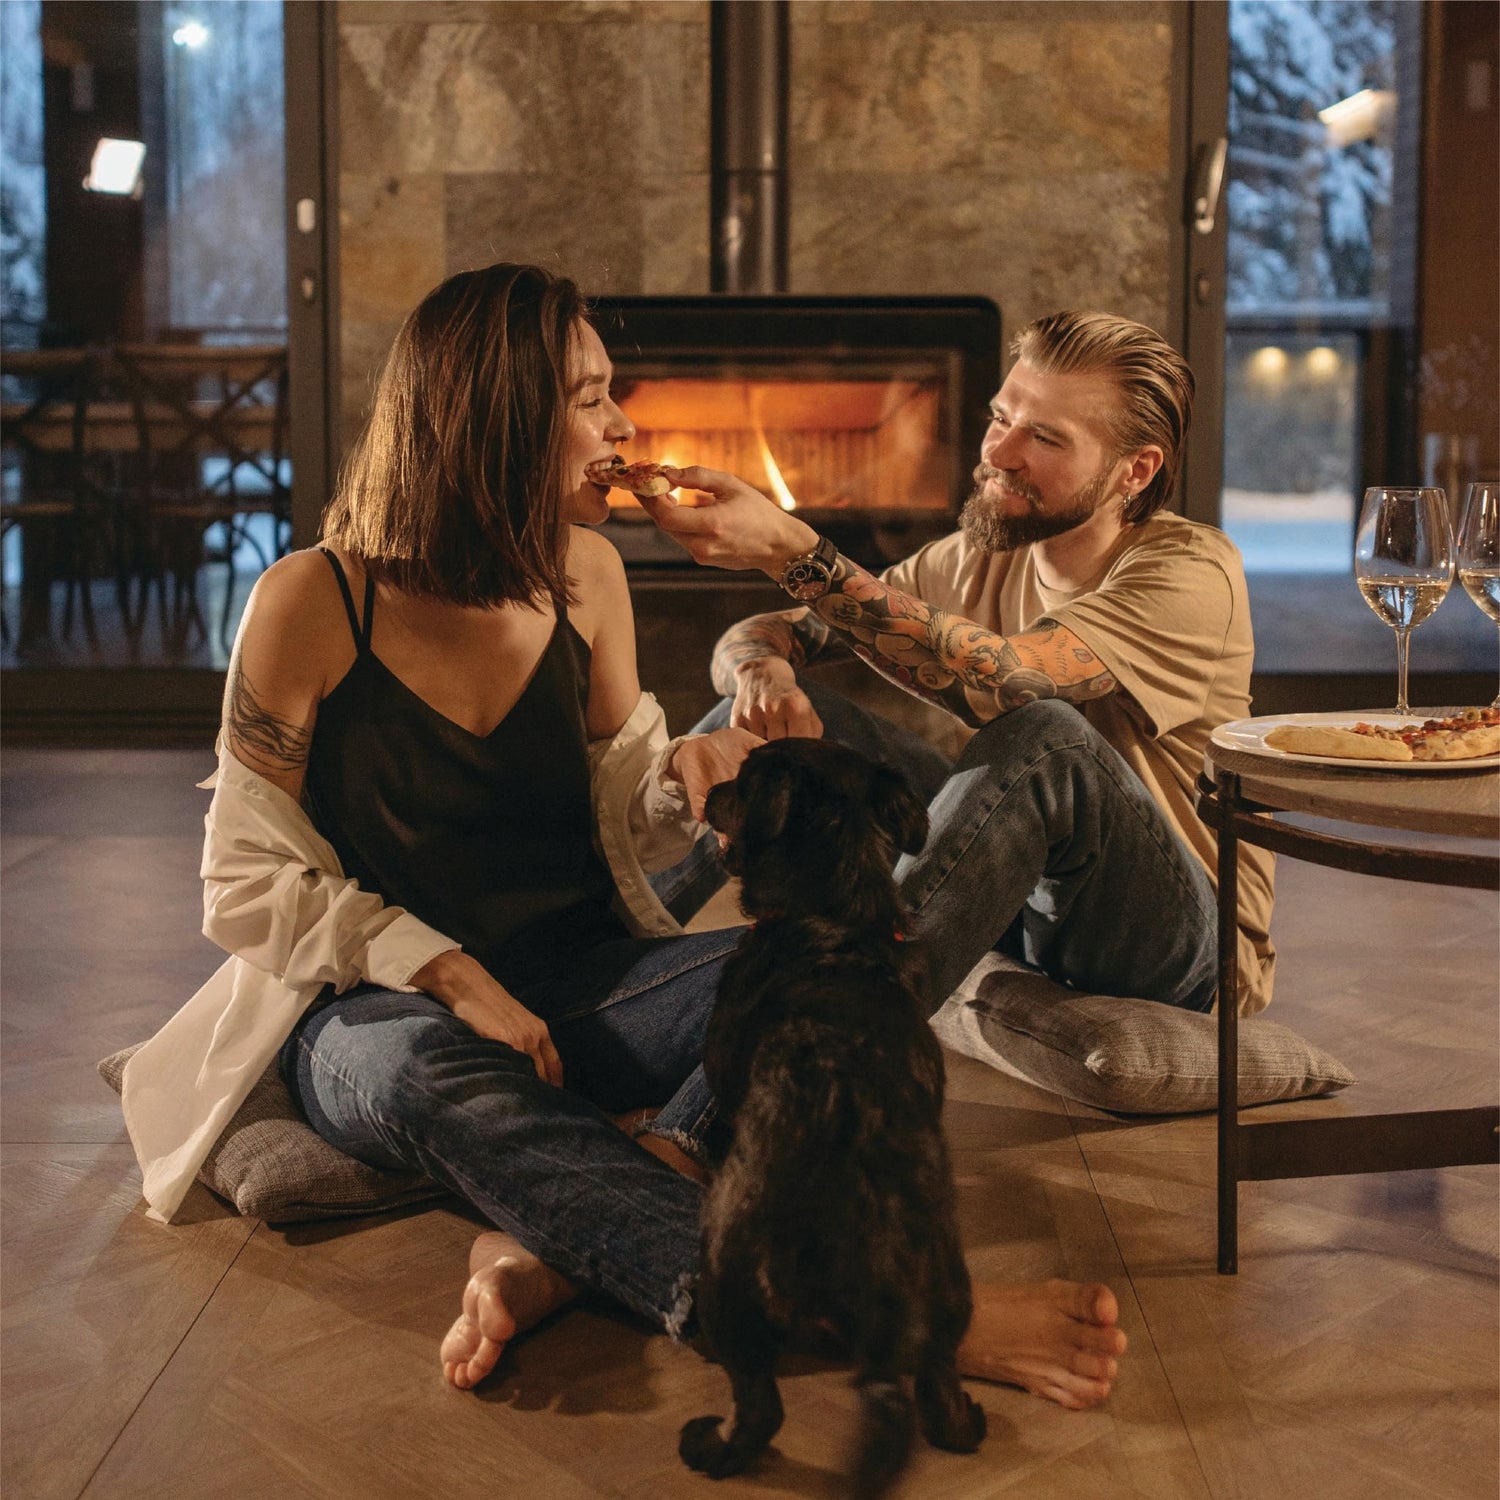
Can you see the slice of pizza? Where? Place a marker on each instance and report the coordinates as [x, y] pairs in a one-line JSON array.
[[642, 478], [1466, 736], [1471, 735], [1354, 742]]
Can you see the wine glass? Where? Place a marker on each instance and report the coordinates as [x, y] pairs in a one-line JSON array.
[[1403, 561], [1479, 550]]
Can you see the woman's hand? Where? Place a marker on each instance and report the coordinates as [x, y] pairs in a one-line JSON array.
[[702, 761], [768, 702], [479, 1001], [732, 525]]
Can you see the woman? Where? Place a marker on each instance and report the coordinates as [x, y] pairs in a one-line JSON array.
[[432, 727]]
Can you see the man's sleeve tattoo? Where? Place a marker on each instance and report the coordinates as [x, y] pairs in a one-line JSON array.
[[796, 636], [258, 736], [971, 672]]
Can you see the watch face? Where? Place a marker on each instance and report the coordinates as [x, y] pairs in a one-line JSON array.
[[806, 579], [810, 576]]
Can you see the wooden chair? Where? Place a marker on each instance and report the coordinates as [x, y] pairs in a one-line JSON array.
[[47, 493], [210, 442]]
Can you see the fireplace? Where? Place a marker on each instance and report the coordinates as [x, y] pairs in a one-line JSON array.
[[864, 414]]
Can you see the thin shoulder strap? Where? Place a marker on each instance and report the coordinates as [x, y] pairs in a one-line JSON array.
[[361, 636]]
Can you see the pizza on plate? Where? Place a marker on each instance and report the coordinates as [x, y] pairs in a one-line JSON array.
[[644, 478], [1467, 736]]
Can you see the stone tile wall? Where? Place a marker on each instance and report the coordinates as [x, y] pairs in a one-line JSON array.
[[573, 134], [1009, 148]]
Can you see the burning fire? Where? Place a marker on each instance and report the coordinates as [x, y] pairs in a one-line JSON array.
[[862, 445], [784, 497]]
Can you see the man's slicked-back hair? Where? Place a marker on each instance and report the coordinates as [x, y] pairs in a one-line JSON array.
[[454, 489], [1154, 382]]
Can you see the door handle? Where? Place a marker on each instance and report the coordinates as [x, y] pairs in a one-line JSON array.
[[1209, 184]]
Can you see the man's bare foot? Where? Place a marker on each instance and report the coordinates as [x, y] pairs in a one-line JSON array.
[[1058, 1339], [509, 1290]]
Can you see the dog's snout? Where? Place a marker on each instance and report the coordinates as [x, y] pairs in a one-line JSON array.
[[718, 806]]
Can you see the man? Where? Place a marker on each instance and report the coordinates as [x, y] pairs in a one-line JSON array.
[[1094, 641]]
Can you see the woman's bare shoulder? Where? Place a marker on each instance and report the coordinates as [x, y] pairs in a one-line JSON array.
[[597, 575], [297, 577], [592, 558], [295, 610]]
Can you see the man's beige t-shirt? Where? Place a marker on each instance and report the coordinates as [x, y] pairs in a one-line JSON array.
[[1169, 616]]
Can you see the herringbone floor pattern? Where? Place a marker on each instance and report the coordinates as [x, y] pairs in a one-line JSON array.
[[1355, 1355]]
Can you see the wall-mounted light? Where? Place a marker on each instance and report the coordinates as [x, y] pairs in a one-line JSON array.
[[1322, 362], [116, 167], [1359, 117], [190, 34], [1268, 365]]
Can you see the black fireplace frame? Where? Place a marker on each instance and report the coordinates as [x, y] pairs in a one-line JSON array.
[[759, 327]]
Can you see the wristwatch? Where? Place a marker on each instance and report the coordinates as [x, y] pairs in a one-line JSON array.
[[810, 575]]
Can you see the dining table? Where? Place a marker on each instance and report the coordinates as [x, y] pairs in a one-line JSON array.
[[122, 433]]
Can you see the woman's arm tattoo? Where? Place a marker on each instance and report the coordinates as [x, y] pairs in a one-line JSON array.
[[258, 736], [973, 673], [795, 635]]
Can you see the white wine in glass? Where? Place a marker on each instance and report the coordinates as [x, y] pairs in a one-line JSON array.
[[1403, 561], [1479, 550]]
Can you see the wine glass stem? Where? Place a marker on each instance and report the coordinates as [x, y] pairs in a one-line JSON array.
[[1403, 642]]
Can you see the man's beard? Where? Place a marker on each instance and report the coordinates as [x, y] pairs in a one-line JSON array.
[[989, 530]]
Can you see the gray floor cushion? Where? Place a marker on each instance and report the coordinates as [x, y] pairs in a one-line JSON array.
[[1127, 1056], [270, 1163]]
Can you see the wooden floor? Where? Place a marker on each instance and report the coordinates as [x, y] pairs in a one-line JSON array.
[[1355, 1355]]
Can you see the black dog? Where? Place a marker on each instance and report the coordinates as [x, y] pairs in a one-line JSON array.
[[830, 1226]]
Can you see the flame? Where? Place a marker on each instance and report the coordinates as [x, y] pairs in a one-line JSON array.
[[784, 497]]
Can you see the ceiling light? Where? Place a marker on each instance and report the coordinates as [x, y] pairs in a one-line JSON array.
[[116, 167], [1358, 117], [190, 34]]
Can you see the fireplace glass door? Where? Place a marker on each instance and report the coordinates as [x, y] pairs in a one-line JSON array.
[[871, 440]]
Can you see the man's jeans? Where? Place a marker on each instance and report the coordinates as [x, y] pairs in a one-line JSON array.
[[1043, 842], [398, 1081]]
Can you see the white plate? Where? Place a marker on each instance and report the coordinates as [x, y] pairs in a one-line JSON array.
[[1249, 736]]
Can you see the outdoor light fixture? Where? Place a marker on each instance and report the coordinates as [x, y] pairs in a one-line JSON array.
[[190, 34], [1268, 365], [1323, 363], [1358, 117], [116, 167]]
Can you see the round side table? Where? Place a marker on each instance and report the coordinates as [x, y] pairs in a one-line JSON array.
[[1245, 796]]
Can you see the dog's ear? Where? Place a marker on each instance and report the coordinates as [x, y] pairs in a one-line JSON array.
[[898, 809], [765, 789]]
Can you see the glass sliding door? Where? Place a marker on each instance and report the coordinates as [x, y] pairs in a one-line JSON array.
[[1328, 233], [144, 348]]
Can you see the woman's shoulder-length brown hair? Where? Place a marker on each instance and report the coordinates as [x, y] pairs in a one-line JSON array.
[[454, 488]]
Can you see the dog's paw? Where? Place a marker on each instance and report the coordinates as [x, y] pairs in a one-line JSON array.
[[702, 1447], [968, 1432]]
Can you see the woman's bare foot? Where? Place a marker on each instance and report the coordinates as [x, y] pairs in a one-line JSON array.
[[1058, 1339], [509, 1290]]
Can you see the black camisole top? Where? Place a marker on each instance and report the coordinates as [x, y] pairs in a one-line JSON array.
[[486, 838]]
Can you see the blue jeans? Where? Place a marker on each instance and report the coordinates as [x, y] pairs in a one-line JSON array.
[[1043, 842], [398, 1081]]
